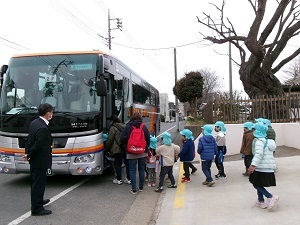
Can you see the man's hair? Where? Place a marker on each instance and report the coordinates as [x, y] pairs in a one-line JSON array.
[[44, 108], [136, 116]]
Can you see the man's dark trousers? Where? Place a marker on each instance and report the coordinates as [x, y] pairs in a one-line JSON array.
[[38, 184]]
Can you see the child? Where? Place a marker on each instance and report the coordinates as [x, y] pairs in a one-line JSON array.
[[150, 162], [108, 159], [270, 132], [207, 149], [167, 153], [246, 148], [221, 144], [187, 153], [262, 166]]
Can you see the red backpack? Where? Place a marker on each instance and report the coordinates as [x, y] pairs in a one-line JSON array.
[[136, 142]]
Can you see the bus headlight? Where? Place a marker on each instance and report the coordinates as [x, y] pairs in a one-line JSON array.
[[5, 158], [88, 169], [84, 158], [4, 169]]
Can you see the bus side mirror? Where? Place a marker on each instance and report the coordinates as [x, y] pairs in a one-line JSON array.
[[101, 65], [3, 69], [2, 72], [101, 87]]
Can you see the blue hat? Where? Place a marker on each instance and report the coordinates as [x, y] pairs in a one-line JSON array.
[[248, 125], [267, 122], [153, 142], [259, 119], [167, 138], [104, 137], [207, 129], [221, 125], [260, 130], [187, 133]]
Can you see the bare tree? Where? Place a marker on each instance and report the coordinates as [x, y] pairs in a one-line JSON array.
[[211, 83], [257, 71], [293, 72]]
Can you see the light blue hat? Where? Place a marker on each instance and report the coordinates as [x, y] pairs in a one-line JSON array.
[[153, 142], [259, 119], [267, 122], [248, 125], [260, 130], [221, 125], [104, 137], [187, 133], [167, 138], [207, 129]]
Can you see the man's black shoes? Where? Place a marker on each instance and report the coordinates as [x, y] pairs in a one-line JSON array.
[[46, 201], [41, 213]]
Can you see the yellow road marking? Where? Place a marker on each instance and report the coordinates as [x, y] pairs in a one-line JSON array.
[[180, 191]]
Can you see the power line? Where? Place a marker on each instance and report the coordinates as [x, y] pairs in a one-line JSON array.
[[74, 19], [14, 43], [96, 25], [157, 49]]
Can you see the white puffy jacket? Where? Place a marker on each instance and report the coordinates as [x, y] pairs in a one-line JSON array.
[[262, 150]]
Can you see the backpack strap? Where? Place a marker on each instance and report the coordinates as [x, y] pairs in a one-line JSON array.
[[118, 127], [266, 143], [140, 127], [120, 130]]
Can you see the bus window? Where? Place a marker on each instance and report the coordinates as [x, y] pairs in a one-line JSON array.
[[118, 86], [140, 94]]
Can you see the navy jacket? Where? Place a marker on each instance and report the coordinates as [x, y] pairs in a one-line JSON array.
[[39, 145], [187, 152], [207, 147], [125, 134]]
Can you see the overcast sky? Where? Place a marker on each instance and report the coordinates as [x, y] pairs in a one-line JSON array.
[[151, 30]]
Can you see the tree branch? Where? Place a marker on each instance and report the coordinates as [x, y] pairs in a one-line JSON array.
[[251, 41], [285, 37], [286, 60], [253, 6], [278, 13], [280, 28]]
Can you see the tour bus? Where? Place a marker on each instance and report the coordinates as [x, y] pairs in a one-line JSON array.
[[85, 89]]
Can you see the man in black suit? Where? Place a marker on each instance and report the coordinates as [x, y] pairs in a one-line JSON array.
[[38, 151]]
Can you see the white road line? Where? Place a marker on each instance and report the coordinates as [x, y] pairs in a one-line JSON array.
[[28, 214], [167, 130]]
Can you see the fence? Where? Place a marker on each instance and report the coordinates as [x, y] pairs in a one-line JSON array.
[[278, 109]]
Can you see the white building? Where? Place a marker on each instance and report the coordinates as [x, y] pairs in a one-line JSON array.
[[164, 106], [181, 110]]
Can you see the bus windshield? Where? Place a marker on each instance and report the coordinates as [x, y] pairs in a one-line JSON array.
[[67, 82]]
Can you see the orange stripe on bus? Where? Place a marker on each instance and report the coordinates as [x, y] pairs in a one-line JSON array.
[[152, 120], [54, 151]]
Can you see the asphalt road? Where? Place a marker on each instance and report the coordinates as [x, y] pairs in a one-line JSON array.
[[78, 199]]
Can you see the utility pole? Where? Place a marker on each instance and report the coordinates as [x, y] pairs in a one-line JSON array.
[[230, 69], [118, 26], [176, 100], [109, 32]]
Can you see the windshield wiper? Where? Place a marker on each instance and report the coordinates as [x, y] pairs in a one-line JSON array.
[[20, 111], [59, 64]]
